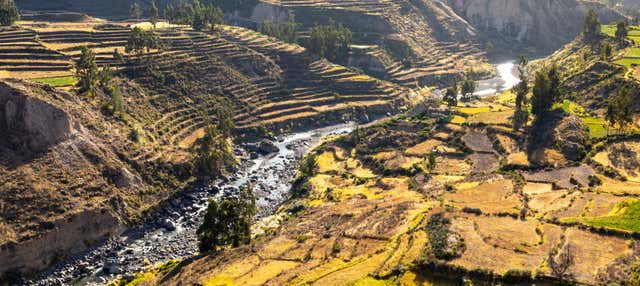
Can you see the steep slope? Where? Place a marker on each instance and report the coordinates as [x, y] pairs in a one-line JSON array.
[[413, 43], [67, 181], [73, 175], [588, 78], [539, 26]]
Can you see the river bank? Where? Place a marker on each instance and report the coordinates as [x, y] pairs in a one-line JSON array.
[[171, 233]]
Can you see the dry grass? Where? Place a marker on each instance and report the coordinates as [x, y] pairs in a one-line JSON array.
[[491, 197]]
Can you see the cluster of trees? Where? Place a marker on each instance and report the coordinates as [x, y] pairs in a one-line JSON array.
[[142, 40], [228, 221], [213, 151], [330, 41], [8, 12], [465, 89], [200, 16], [91, 78], [135, 12], [286, 32], [546, 91]]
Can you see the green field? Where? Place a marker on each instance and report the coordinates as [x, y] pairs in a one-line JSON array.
[[597, 126], [625, 217], [58, 81], [609, 30]]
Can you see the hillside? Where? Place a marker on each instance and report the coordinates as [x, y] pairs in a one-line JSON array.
[[589, 80], [376, 213], [86, 165]]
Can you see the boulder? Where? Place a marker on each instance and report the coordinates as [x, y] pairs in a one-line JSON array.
[[267, 147]]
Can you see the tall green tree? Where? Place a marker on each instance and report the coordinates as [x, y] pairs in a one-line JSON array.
[[134, 11], [213, 153], [9, 13], [606, 51], [622, 31], [521, 115], [546, 91], [86, 71], [619, 109], [153, 13], [591, 26], [104, 76], [228, 221], [141, 40]]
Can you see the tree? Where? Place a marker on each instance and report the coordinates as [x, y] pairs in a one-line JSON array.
[[606, 51], [431, 161], [591, 27], [546, 91], [213, 153], [228, 221], [467, 88], [622, 31], [287, 32], [224, 115], [332, 41], [8, 12], [104, 76], [116, 104], [118, 56], [216, 17], [134, 11], [153, 13], [141, 40], [451, 95], [86, 71], [521, 115], [619, 109], [560, 260]]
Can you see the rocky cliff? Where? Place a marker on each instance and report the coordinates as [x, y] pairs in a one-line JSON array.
[[542, 25], [63, 186]]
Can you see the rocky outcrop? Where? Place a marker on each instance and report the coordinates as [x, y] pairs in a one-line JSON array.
[[560, 138], [545, 25], [29, 123], [65, 236]]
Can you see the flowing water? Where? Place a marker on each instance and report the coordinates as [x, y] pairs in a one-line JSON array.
[[171, 235], [504, 80]]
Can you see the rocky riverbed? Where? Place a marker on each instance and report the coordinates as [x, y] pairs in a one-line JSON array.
[[269, 166]]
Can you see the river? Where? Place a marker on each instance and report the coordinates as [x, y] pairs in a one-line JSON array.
[[172, 234]]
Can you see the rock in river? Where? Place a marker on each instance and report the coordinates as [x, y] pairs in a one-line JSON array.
[[267, 147]]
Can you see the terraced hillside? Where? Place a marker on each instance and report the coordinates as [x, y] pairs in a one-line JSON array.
[[170, 95], [377, 211], [590, 79], [441, 44]]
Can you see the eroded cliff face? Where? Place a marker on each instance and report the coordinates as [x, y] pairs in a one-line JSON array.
[[543, 25], [63, 186], [29, 123]]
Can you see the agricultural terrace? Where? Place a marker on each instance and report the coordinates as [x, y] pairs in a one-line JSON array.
[[390, 203]]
